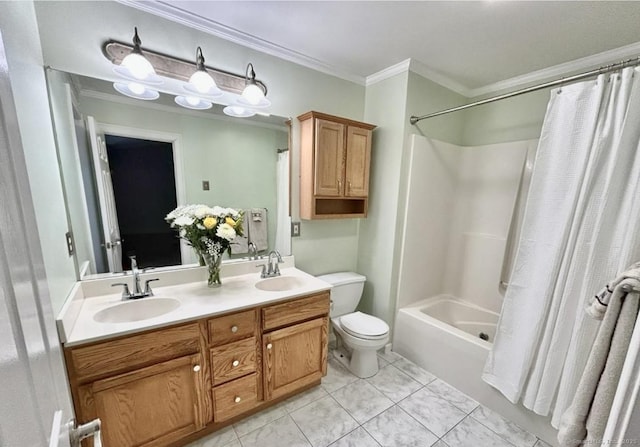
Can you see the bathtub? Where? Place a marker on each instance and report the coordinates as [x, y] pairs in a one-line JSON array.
[[451, 338]]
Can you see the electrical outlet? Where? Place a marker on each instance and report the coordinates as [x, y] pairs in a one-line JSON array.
[[70, 245], [295, 229], [205, 185]]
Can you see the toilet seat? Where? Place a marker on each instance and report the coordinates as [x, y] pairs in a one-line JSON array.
[[364, 326]]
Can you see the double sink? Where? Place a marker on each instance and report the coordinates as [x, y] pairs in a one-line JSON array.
[[152, 307]]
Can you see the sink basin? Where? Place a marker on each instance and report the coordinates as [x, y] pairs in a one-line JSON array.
[[279, 283], [138, 310]]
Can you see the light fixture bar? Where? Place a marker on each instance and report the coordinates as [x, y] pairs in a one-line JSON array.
[[175, 68]]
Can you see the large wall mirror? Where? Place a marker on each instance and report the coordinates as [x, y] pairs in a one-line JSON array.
[[126, 163]]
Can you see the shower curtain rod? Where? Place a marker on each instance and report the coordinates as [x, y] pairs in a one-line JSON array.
[[588, 74]]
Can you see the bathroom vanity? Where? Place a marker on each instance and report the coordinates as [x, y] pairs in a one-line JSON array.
[[220, 355]]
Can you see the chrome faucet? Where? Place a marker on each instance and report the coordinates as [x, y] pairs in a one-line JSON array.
[[137, 291], [271, 269], [253, 251]]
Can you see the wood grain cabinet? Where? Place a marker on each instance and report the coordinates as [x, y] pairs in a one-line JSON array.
[[335, 159], [170, 386]]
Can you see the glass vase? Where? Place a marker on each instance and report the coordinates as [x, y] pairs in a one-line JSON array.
[[213, 268]]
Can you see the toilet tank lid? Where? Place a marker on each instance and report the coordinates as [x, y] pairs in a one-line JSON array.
[[340, 278]]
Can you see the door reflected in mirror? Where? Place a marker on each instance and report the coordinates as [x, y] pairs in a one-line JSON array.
[[127, 163]]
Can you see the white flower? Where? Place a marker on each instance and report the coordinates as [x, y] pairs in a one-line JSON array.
[[226, 231], [184, 221], [230, 211], [202, 211], [218, 211]]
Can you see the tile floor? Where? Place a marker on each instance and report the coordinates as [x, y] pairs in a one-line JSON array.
[[402, 405]]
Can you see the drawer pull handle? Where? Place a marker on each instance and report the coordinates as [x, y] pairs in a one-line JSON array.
[[269, 346], [237, 399], [234, 329], [235, 363], [196, 368]]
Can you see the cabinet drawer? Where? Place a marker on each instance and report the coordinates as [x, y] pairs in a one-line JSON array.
[[234, 398], [125, 354], [233, 360], [294, 311], [232, 327]]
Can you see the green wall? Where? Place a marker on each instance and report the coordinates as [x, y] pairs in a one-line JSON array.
[[22, 44]]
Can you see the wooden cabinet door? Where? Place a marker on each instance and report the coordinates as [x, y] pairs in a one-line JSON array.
[[294, 357], [152, 406], [329, 158], [357, 162]]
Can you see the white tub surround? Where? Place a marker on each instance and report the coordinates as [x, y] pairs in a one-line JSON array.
[[76, 324], [432, 334]]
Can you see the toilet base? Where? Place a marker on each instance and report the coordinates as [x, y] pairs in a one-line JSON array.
[[362, 363]]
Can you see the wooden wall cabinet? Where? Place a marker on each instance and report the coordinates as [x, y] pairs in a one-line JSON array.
[[169, 386], [335, 157]]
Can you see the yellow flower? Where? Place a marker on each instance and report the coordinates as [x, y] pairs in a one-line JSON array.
[[230, 221], [209, 222]]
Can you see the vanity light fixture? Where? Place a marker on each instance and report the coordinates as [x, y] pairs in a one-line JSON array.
[[242, 96], [192, 102], [201, 82], [253, 94], [136, 67], [238, 112]]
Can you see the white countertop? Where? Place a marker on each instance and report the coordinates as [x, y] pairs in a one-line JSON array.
[[196, 301]]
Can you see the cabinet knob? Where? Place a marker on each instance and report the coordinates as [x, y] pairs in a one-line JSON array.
[[269, 346], [235, 363], [196, 368], [234, 329], [237, 399]]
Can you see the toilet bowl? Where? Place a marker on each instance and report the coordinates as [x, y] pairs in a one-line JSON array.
[[358, 335]]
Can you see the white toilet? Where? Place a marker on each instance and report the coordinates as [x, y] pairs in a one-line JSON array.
[[358, 335]]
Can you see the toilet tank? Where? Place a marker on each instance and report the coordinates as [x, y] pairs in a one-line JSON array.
[[346, 291]]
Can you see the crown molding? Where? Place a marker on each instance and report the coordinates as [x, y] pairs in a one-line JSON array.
[[388, 72], [426, 72], [557, 71], [178, 15], [119, 99]]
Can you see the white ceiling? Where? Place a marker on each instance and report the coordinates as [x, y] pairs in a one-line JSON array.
[[471, 47]]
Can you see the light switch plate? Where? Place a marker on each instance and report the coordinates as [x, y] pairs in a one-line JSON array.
[[70, 245], [295, 229], [205, 185]]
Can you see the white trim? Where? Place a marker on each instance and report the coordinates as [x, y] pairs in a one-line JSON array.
[[577, 65], [438, 78], [388, 72], [119, 99], [176, 14], [178, 165]]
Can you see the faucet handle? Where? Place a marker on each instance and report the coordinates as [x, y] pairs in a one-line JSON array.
[[125, 292], [264, 273], [147, 287]]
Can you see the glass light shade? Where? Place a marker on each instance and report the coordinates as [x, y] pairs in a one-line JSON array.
[[191, 102], [203, 82], [253, 94], [138, 66], [135, 90], [238, 112]]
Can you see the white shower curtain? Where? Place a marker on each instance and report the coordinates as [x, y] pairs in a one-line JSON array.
[[283, 230], [581, 227]]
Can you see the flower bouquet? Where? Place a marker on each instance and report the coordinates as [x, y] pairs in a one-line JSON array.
[[209, 231]]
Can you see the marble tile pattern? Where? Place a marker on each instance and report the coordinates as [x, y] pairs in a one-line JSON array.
[[324, 421], [357, 438], [362, 400], [401, 406], [457, 398], [505, 428], [393, 383]]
